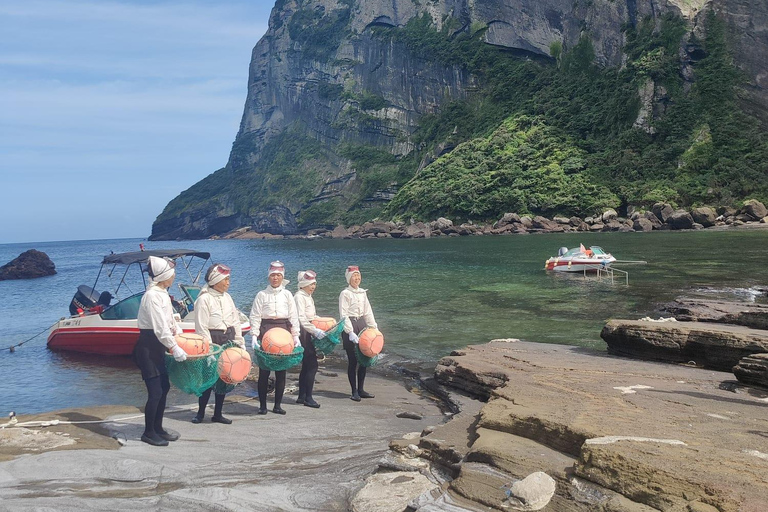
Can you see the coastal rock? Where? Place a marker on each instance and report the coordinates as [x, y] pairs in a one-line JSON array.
[[533, 492], [716, 346], [754, 209], [704, 215], [507, 218], [614, 434], [680, 219], [609, 215], [642, 224], [753, 370], [662, 211], [390, 491], [28, 265], [442, 224], [544, 224], [653, 219], [748, 314]]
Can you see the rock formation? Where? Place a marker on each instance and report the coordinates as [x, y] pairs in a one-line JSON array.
[[321, 74], [28, 265], [612, 434]]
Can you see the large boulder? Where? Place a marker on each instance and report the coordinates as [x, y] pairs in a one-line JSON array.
[[754, 209], [507, 218], [642, 224], [28, 265], [704, 215], [545, 224], [662, 211], [680, 219]]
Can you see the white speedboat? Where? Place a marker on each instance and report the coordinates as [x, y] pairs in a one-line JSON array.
[[580, 259], [100, 325]]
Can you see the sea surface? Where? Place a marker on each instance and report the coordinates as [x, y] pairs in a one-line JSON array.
[[429, 297]]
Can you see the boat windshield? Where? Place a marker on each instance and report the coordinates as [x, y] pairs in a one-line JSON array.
[[597, 250], [127, 309], [572, 252]]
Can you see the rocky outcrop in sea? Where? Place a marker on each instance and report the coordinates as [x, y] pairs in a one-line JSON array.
[[28, 265]]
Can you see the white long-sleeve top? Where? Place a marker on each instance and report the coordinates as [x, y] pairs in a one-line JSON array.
[[305, 308], [273, 303], [156, 313], [216, 310], [353, 302]]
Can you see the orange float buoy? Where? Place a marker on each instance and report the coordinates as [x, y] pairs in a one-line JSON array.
[[193, 344], [277, 341], [324, 323], [371, 341], [234, 365]]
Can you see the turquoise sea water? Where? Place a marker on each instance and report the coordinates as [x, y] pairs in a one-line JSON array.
[[429, 296]]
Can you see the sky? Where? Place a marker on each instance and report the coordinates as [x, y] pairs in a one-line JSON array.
[[110, 108]]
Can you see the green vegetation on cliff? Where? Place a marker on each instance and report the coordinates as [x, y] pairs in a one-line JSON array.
[[679, 156], [524, 166]]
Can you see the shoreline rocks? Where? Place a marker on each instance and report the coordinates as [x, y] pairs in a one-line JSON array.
[[716, 346], [30, 264], [612, 434], [661, 217]]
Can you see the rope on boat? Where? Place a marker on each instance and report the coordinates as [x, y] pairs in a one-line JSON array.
[[12, 348]]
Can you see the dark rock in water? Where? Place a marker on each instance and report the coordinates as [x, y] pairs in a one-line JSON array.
[[716, 346], [753, 370], [28, 265]]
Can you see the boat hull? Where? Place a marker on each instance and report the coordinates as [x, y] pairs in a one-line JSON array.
[[91, 334], [577, 265]]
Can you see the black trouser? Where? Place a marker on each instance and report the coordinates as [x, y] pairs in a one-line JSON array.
[[267, 324], [219, 337], [308, 367], [157, 391], [355, 372], [149, 355]]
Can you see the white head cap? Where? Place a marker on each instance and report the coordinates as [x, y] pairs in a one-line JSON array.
[[161, 269], [276, 267], [216, 274], [307, 277], [351, 270]]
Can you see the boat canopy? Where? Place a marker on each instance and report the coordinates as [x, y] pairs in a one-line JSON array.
[[129, 258]]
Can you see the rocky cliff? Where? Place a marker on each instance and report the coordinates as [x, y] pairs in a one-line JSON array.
[[328, 79]]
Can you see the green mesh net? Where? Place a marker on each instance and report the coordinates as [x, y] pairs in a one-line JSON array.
[[196, 373], [331, 340], [364, 360], [278, 362]]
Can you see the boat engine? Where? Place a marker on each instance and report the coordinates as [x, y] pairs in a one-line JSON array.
[[562, 251], [85, 298]]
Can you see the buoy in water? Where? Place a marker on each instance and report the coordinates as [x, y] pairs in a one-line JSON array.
[[324, 323], [234, 365], [277, 341], [193, 344], [371, 341]]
